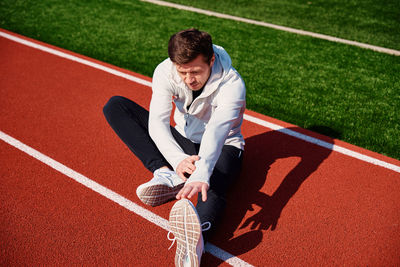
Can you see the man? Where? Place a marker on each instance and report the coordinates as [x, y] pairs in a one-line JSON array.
[[202, 154]]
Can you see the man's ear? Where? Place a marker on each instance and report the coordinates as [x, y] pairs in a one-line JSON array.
[[212, 60]]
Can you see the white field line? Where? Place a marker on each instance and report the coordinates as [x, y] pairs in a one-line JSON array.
[[74, 58], [274, 26], [111, 195], [321, 143], [264, 123]]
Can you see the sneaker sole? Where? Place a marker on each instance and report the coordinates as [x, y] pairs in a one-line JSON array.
[[186, 231], [155, 195]]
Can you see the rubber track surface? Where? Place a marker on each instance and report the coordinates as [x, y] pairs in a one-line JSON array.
[[295, 204]]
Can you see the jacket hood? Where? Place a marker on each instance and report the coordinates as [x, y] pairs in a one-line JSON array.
[[220, 69], [222, 56]]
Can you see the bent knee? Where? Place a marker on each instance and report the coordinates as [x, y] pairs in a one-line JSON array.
[[112, 103]]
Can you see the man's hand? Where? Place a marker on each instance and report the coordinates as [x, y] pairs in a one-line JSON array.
[[189, 190], [187, 167]]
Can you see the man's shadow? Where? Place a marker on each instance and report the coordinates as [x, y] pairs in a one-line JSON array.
[[261, 151]]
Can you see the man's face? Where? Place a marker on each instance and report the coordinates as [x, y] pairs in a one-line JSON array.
[[195, 73]]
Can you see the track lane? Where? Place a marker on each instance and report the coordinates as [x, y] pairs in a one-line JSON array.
[[56, 114], [47, 100], [50, 220]]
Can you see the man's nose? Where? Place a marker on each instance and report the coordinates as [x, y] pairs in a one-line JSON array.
[[189, 78]]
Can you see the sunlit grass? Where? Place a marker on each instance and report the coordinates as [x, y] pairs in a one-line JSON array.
[[336, 89]]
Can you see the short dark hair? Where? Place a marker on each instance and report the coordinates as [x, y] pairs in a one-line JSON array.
[[187, 45]]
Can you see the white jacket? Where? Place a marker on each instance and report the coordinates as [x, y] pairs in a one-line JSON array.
[[213, 119]]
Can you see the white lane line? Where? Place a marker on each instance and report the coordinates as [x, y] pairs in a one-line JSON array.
[[321, 143], [75, 58], [276, 27], [261, 122], [111, 195]]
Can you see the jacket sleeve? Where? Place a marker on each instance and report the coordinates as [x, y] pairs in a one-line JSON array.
[[159, 119], [231, 104]]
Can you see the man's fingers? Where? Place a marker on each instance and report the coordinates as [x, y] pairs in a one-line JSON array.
[[194, 190], [191, 168], [179, 195], [182, 175], [204, 193], [189, 190], [183, 193], [194, 158], [186, 167]]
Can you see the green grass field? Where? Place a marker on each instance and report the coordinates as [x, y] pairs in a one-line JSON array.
[[342, 91], [366, 21]]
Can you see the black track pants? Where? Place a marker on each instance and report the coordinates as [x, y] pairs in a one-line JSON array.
[[130, 122]]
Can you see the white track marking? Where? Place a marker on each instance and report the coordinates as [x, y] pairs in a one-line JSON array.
[[321, 143], [255, 120], [276, 27], [75, 58], [113, 196]]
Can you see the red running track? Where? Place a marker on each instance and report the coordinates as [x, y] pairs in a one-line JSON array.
[[295, 204]]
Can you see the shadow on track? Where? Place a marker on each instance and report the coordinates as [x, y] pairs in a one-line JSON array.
[[261, 151]]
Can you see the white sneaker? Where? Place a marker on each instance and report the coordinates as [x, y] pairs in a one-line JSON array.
[[184, 223], [162, 188]]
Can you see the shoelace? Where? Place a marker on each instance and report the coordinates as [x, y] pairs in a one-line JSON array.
[[204, 227]]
